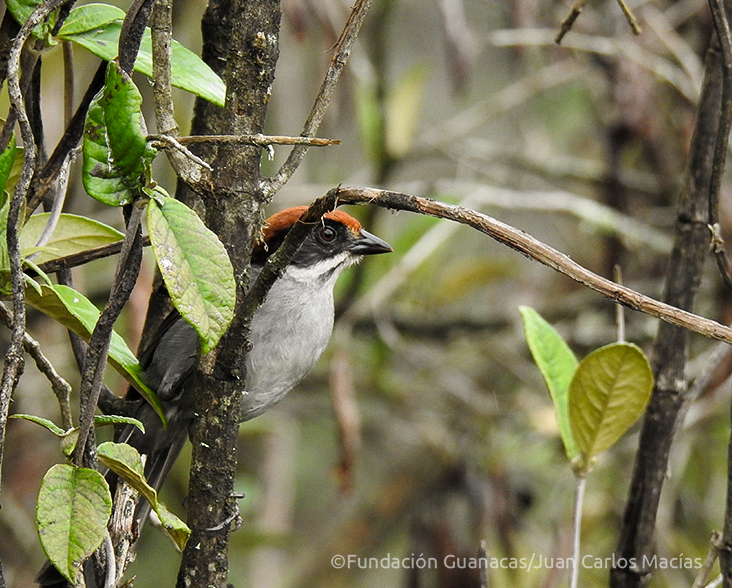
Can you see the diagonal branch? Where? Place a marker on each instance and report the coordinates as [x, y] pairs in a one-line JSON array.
[[538, 251]]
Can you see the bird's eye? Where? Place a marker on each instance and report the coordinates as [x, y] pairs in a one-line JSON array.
[[327, 234]]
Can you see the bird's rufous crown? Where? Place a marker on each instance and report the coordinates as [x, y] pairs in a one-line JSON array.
[[284, 220]]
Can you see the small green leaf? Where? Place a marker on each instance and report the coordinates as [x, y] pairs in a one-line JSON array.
[[69, 441], [50, 425], [116, 152], [557, 364], [125, 461], [72, 234], [76, 312], [96, 27], [609, 391], [195, 267], [176, 529], [7, 159], [74, 505], [100, 420], [87, 18]]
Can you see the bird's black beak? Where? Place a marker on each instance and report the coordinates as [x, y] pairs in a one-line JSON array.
[[368, 244]]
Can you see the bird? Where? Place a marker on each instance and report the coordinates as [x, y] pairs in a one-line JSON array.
[[288, 334]]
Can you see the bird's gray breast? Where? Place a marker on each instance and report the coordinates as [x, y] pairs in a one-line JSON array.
[[289, 333]]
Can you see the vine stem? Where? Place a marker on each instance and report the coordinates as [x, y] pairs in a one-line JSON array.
[[579, 498]]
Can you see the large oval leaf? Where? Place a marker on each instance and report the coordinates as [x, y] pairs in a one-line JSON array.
[[609, 391], [195, 267], [116, 152], [557, 364], [74, 505], [72, 234], [124, 460], [96, 27]]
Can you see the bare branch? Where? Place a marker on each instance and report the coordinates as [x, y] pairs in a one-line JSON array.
[[568, 22], [538, 251], [258, 140]]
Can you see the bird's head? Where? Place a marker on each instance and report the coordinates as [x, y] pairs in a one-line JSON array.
[[337, 242]]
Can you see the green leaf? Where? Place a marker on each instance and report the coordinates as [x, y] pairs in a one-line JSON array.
[[76, 312], [71, 437], [22, 9], [195, 267], [72, 234], [125, 461], [50, 425], [116, 152], [96, 27], [609, 391], [69, 440], [7, 159], [89, 17], [557, 364], [176, 529], [100, 420], [74, 505]]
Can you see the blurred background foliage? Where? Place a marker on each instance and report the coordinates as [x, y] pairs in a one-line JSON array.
[[426, 428]]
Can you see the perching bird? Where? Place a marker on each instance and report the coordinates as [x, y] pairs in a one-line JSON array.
[[289, 332]]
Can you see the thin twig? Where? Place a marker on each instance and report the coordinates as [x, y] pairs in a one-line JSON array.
[[538, 251], [125, 277], [619, 308], [630, 17], [68, 52], [14, 360], [614, 47], [161, 24], [343, 50], [130, 36], [566, 25], [59, 198], [579, 497], [712, 553], [722, 28], [258, 140], [171, 143], [84, 257], [110, 578], [45, 179]]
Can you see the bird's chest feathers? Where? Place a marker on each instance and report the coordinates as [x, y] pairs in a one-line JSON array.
[[289, 333]]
